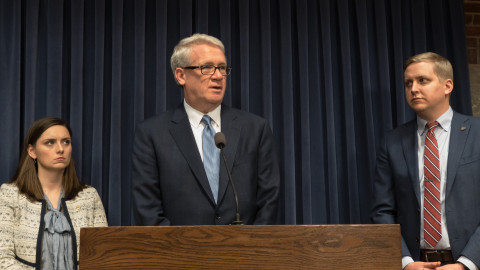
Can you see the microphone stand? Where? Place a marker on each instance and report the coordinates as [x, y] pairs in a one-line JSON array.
[[237, 220]]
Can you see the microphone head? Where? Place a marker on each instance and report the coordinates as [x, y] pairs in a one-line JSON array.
[[220, 140]]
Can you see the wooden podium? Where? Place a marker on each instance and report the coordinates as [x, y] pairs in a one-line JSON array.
[[242, 247]]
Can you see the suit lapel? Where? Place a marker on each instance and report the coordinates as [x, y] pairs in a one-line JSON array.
[[182, 134], [232, 135], [409, 144], [458, 135]]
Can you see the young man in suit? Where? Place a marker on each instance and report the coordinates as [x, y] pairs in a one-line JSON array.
[[178, 175], [428, 174]]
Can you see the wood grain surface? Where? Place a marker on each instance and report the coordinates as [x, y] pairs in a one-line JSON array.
[[242, 247]]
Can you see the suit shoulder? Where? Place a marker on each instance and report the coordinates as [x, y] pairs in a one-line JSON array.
[[88, 191], [156, 118], [401, 129], [158, 123], [475, 121], [9, 187], [9, 190], [462, 118], [461, 121], [248, 116], [10, 195]]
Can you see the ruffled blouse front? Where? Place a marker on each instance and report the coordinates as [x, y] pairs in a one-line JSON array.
[[57, 240]]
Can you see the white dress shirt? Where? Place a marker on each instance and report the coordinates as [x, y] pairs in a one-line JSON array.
[[195, 118]]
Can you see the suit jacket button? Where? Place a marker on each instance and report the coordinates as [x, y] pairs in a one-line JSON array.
[[417, 239], [218, 217]]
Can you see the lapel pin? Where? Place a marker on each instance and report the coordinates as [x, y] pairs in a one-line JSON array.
[[78, 207], [463, 128]]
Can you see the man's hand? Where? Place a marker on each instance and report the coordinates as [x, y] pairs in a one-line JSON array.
[[423, 266], [455, 266], [433, 266]]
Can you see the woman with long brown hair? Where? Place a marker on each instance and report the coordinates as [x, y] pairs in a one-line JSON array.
[[44, 205]]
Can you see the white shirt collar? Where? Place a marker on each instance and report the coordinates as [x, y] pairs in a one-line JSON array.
[[445, 121], [195, 116]]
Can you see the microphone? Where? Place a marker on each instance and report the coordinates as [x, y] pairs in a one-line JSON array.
[[220, 142]]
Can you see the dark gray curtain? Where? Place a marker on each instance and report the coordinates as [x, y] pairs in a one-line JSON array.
[[327, 74]]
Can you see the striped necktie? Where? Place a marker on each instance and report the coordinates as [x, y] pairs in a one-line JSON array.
[[432, 215], [211, 155]]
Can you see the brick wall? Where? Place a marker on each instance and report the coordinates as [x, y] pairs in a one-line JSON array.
[[472, 29]]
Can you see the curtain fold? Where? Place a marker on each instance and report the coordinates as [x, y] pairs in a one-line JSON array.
[[11, 79], [327, 75]]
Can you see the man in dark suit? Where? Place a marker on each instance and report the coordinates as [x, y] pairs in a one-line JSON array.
[[428, 176], [178, 175]]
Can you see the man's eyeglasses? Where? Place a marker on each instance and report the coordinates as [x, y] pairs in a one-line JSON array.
[[210, 69]]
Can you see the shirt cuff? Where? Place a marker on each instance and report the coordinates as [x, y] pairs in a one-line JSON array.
[[406, 260], [465, 261]]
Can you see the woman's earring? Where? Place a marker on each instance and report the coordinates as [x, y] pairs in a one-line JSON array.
[[35, 161]]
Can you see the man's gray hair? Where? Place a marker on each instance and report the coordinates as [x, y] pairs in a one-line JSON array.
[[181, 52]]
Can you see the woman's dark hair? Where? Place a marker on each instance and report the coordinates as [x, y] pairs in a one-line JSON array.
[[26, 177]]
